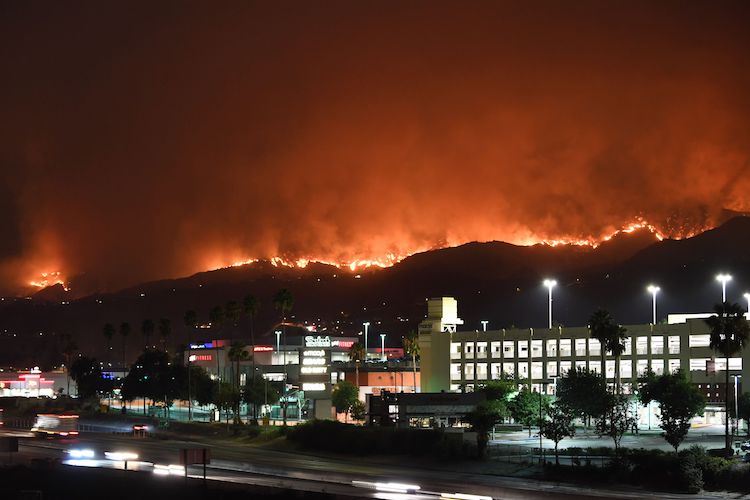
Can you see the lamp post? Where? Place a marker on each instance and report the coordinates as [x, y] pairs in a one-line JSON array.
[[278, 341], [366, 324], [723, 278], [736, 409], [484, 325], [653, 290], [382, 346], [550, 284], [747, 297]]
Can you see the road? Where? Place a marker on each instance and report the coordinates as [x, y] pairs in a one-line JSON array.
[[260, 466]]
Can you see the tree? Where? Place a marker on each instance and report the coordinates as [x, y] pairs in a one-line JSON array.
[[88, 377], [259, 391], [343, 396], [202, 387], [357, 354], [228, 399], [152, 376], [499, 390], [411, 348], [558, 426], [250, 307], [125, 330], [237, 354], [216, 317], [108, 330], [69, 348], [165, 330], [584, 392], [358, 410], [283, 302], [611, 337], [729, 335], [233, 313], [524, 408], [147, 329], [615, 421], [743, 409], [679, 401], [483, 419]]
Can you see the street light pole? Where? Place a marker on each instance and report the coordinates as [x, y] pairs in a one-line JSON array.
[[550, 284], [278, 341], [382, 346], [723, 278], [484, 325], [736, 410], [653, 290], [366, 324], [747, 297]]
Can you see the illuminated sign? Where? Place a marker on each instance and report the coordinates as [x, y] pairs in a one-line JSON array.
[[205, 345], [346, 344], [313, 361], [202, 357], [317, 341], [262, 348], [314, 370], [313, 386], [317, 354]]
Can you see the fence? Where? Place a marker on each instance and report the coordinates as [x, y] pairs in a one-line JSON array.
[[517, 454]]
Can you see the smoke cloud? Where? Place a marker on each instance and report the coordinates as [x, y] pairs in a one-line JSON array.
[[155, 140]]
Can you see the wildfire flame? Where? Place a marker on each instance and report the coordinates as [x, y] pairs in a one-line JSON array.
[[49, 279]]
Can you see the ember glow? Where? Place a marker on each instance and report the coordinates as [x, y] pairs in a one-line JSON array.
[[49, 279], [358, 133]]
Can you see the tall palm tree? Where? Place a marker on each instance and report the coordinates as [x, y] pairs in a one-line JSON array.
[[411, 348], [283, 302], [147, 329], [237, 353], [616, 345], [216, 317], [357, 354], [124, 332], [165, 330], [69, 348], [233, 312], [729, 336], [250, 306], [108, 330], [191, 321], [600, 326]]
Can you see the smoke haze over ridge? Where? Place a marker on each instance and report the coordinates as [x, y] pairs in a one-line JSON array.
[[144, 141]]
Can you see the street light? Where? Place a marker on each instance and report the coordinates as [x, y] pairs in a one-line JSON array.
[[382, 346], [736, 416], [550, 284], [723, 278], [278, 341], [484, 325], [366, 324], [747, 297], [653, 290]]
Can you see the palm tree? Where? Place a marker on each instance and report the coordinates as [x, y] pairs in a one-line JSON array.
[[191, 321], [616, 345], [108, 331], [357, 354], [69, 348], [237, 353], [250, 306], [147, 329], [411, 348], [216, 317], [283, 302], [124, 332], [729, 336], [233, 313], [165, 329]]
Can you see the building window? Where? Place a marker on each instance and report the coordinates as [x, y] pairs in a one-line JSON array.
[[481, 350], [523, 348], [657, 345], [674, 344], [481, 371], [508, 349], [628, 346], [580, 365], [469, 371], [509, 369], [657, 366], [610, 371], [564, 367], [552, 369], [641, 346], [700, 340], [595, 366], [594, 348], [580, 347], [523, 370], [642, 367], [626, 368], [495, 346], [674, 365], [455, 371], [536, 348], [455, 350], [552, 347], [497, 371], [735, 363], [469, 350], [536, 370], [699, 364], [565, 347]]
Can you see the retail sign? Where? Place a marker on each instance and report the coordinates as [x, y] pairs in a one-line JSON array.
[[262, 348], [317, 341]]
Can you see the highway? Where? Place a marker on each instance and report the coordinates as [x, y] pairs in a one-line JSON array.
[[305, 472]]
